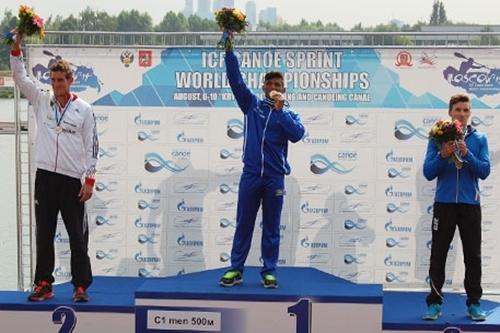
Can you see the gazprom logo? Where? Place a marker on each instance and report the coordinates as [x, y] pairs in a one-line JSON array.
[[320, 164], [389, 261], [154, 162], [183, 241], [356, 120], [390, 193], [313, 210], [389, 226], [182, 138], [138, 257], [234, 154], [139, 188], [307, 139], [146, 122], [358, 224], [393, 158], [305, 243], [138, 223], [61, 272], [182, 207], [405, 130], [235, 128]]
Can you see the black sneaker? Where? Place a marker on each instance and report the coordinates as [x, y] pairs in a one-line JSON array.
[[80, 295], [41, 291], [231, 278], [269, 281]]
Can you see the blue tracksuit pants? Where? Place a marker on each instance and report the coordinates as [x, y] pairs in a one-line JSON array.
[[255, 190]]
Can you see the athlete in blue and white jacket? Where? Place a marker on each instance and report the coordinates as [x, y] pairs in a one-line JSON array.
[[269, 125], [457, 204]]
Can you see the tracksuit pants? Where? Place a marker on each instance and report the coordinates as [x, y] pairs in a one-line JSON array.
[[56, 193], [445, 220], [255, 190]]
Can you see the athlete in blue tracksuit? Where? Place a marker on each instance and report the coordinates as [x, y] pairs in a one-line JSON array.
[[269, 125], [457, 203]]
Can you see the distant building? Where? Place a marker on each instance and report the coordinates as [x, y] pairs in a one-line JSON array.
[[269, 15], [188, 8], [205, 9], [218, 4], [251, 11]]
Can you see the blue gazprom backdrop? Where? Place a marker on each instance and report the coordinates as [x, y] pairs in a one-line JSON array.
[[357, 204]]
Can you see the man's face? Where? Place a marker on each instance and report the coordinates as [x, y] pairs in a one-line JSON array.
[[461, 111], [273, 84], [60, 83]]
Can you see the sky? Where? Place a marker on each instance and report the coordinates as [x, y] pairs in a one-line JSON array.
[[345, 13]]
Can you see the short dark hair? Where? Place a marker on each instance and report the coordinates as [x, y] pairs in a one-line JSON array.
[[457, 99], [62, 66], [274, 75]]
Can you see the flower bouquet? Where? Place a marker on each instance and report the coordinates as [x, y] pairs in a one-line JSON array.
[[447, 130], [230, 20], [28, 24]]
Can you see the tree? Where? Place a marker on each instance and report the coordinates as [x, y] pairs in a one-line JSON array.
[[134, 21], [91, 20], [438, 15], [435, 13], [7, 23], [442, 14], [173, 22]]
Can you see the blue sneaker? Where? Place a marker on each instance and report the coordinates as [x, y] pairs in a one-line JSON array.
[[476, 313], [433, 312]]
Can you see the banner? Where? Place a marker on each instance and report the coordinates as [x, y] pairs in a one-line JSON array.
[[357, 204]]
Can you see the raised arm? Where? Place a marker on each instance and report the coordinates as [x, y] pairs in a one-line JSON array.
[[244, 96], [21, 78]]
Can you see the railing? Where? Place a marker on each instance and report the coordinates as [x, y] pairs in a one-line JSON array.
[[418, 39]]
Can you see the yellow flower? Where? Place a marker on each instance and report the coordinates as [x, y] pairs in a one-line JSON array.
[[440, 132], [25, 9], [239, 15]]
